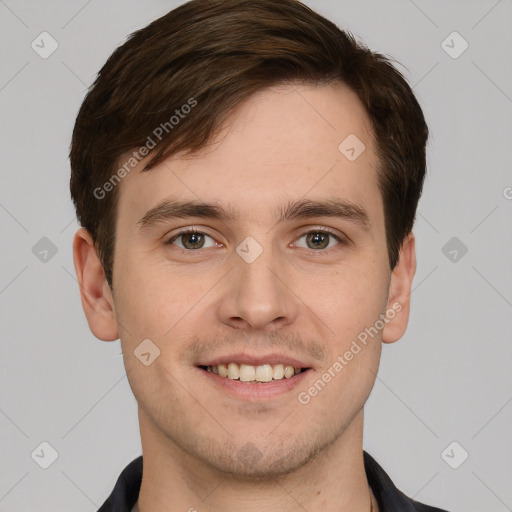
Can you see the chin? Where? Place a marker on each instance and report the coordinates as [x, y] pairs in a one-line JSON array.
[[261, 461]]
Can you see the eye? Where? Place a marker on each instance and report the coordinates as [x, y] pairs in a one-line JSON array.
[[320, 239], [191, 239]]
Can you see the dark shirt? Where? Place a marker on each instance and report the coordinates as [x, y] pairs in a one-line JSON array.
[[389, 498]]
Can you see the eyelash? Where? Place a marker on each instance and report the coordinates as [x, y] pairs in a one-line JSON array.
[[197, 231]]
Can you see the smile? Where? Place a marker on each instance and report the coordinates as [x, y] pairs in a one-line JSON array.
[[243, 382], [254, 374]]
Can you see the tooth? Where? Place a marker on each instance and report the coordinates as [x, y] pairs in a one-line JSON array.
[[233, 371], [247, 372], [289, 372], [278, 371], [223, 370], [264, 373]]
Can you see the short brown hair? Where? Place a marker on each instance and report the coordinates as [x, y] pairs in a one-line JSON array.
[[218, 53]]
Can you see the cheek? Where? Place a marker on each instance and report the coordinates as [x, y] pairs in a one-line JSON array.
[[351, 301], [357, 285], [357, 299], [157, 302], [145, 304]]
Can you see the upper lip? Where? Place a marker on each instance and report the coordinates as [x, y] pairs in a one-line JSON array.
[[245, 358]]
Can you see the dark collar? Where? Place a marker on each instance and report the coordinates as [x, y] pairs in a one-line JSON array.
[[389, 498]]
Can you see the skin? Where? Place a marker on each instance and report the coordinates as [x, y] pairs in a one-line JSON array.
[[277, 146]]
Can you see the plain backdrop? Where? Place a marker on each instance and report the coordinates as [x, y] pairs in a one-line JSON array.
[[443, 391]]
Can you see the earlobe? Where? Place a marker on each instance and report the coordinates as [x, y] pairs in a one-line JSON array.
[[96, 296], [399, 298]]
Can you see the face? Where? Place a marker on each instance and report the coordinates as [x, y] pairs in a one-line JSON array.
[[268, 284]]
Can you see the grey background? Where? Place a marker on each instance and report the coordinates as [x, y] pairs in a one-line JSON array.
[[449, 379]]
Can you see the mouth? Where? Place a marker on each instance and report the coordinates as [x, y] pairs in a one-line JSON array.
[[252, 374], [260, 381]]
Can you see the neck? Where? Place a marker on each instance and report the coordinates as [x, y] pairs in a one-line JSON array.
[[332, 480]]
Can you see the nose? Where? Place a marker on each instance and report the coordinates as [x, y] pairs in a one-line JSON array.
[[257, 295]]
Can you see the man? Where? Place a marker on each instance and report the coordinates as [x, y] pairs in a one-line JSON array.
[[247, 178]]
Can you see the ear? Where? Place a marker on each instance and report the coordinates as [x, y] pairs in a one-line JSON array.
[[97, 300], [399, 296]]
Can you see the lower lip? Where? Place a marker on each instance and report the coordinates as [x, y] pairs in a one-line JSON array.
[[259, 391]]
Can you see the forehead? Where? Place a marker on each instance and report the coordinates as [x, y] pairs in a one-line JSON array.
[[283, 143]]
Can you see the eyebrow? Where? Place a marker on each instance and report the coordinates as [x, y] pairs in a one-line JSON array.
[[300, 209]]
